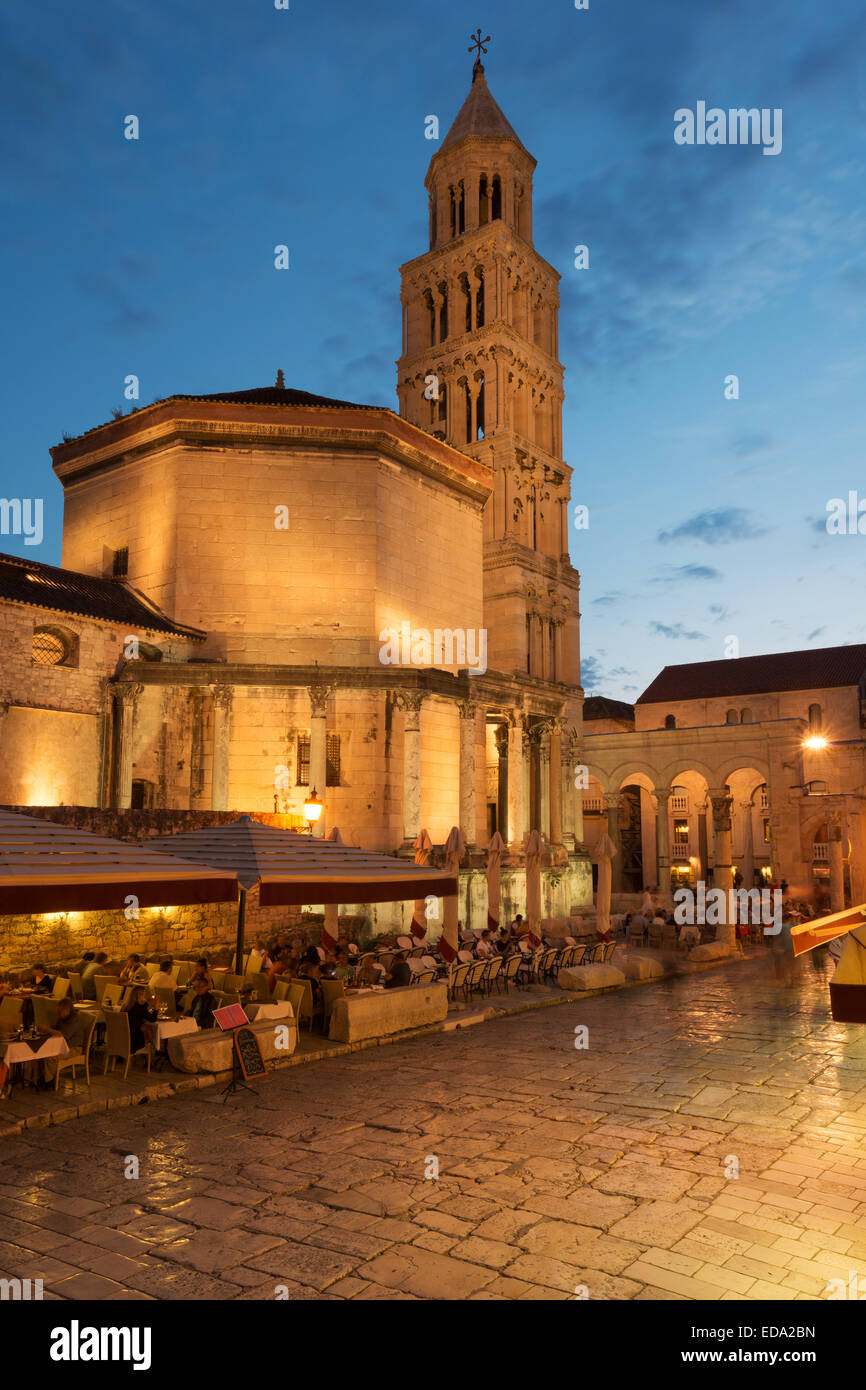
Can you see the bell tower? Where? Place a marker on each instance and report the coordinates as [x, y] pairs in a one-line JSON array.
[[479, 368]]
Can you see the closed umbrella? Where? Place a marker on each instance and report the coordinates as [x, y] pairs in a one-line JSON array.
[[532, 850], [331, 926], [423, 849], [603, 854], [455, 847], [494, 868]]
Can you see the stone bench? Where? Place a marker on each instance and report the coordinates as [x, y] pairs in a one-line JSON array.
[[711, 950], [639, 967], [583, 977], [382, 1012], [210, 1050]]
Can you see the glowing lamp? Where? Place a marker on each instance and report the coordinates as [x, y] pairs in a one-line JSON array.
[[815, 742], [312, 809]]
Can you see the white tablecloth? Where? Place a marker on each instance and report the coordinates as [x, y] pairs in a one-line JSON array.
[[23, 1052], [171, 1028], [259, 1012]]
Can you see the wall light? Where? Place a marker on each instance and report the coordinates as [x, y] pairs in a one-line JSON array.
[[815, 742]]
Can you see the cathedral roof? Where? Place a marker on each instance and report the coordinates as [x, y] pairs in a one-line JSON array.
[[85, 595], [273, 395], [814, 669], [602, 707], [479, 115]]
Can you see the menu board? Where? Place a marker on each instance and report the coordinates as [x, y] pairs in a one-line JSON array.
[[249, 1054], [232, 1016]]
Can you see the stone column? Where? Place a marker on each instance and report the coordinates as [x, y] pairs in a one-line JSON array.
[[222, 704], [663, 843], [837, 867], [516, 764], [748, 845], [468, 726], [545, 764], [613, 802], [126, 699], [411, 700], [319, 695], [722, 870], [502, 780]]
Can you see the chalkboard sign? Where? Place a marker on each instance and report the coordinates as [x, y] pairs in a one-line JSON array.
[[249, 1054]]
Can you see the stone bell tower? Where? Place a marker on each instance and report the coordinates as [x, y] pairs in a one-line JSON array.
[[479, 369]]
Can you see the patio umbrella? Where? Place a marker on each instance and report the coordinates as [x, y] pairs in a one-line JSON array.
[[293, 868], [494, 865], [603, 853], [532, 850], [423, 849], [455, 847], [331, 924]]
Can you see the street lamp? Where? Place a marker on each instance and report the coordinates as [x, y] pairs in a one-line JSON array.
[[312, 810], [815, 742]]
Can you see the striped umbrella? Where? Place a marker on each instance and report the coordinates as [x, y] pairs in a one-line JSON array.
[[423, 849], [455, 847], [532, 850], [603, 853], [494, 865]]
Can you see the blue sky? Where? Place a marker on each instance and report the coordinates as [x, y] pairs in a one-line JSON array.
[[306, 127]]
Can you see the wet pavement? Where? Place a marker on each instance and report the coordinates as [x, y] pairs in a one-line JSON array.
[[707, 1142]]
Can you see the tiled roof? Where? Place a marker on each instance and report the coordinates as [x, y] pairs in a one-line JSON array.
[[813, 669], [479, 115], [66, 591], [600, 707]]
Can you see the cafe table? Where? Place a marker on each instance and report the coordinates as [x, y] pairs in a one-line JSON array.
[[29, 1050], [281, 1008], [170, 1028]]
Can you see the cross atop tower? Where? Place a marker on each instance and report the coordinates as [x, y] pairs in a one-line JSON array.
[[478, 44]]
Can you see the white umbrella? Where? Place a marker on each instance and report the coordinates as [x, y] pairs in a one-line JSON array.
[[423, 849], [455, 847], [494, 866], [331, 925], [532, 850], [603, 853]]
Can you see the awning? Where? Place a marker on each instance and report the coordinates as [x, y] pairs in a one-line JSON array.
[[807, 935], [294, 868], [46, 867]]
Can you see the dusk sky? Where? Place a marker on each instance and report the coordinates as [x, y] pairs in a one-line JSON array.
[[306, 127]]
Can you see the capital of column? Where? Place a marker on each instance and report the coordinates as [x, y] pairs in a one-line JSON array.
[[721, 803], [468, 709], [127, 694], [612, 800], [319, 697], [662, 796], [222, 696], [410, 701]]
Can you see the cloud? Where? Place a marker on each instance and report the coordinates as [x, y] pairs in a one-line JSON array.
[[608, 600], [675, 573], [719, 526], [591, 674], [747, 445], [677, 632], [816, 632]]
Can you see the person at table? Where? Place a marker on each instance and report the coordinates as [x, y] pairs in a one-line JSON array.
[[163, 979], [484, 947], [140, 1010], [201, 971], [279, 970], [82, 965], [41, 982], [133, 972], [503, 941], [89, 973], [261, 950], [369, 973], [202, 1004], [400, 974], [311, 969], [342, 969], [73, 1026], [518, 926], [5, 985]]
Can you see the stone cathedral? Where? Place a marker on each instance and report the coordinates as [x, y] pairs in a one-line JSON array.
[[232, 563]]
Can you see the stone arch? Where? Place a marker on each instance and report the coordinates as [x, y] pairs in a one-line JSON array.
[[682, 765], [740, 762]]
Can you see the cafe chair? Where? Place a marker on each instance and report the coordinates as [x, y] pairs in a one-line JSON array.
[[60, 988], [152, 968], [76, 988], [465, 957], [508, 973], [253, 964], [332, 990], [101, 983], [118, 1043], [76, 1059], [182, 972], [426, 977], [405, 943], [494, 970], [44, 1011], [10, 1013], [167, 1000], [281, 990], [457, 979], [259, 985], [112, 995], [300, 997]]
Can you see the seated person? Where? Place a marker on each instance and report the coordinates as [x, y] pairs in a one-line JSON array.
[[484, 946], [503, 941], [41, 983], [140, 1010], [73, 1025], [342, 968], [81, 966], [89, 973], [201, 971], [134, 972], [5, 985], [279, 967], [163, 979], [400, 973], [518, 926], [311, 969], [369, 973], [261, 951], [202, 1004]]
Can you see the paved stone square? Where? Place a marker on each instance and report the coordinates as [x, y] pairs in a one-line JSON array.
[[606, 1170]]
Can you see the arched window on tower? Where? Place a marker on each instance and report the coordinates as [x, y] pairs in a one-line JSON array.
[[479, 410], [431, 316], [496, 199], [468, 413], [452, 194], [479, 298], [551, 639], [745, 715], [443, 313], [732, 717], [467, 295], [461, 208], [670, 721], [816, 719], [483, 205], [442, 412], [528, 644]]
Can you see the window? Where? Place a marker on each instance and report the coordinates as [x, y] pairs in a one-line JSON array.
[[766, 831], [528, 645], [120, 563], [670, 721], [552, 647], [54, 646], [745, 716], [732, 717], [816, 788], [332, 759], [815, 719], [142, 794], [681, 832]]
